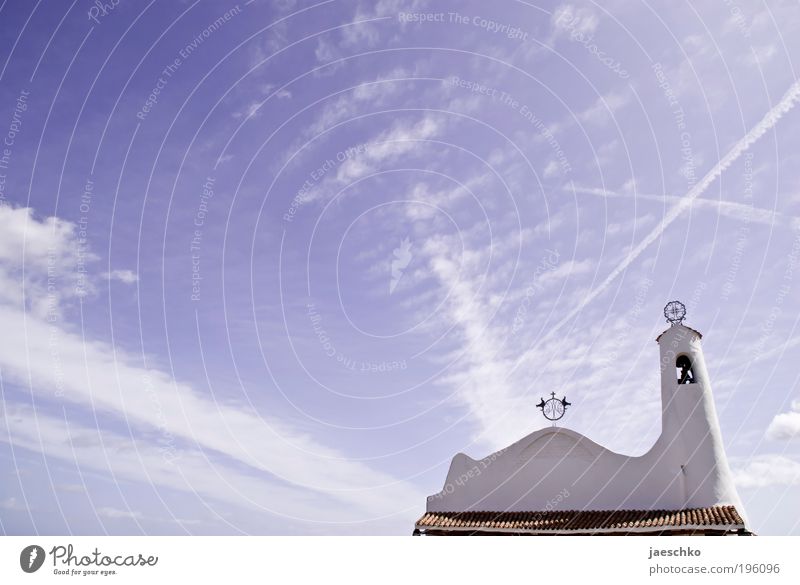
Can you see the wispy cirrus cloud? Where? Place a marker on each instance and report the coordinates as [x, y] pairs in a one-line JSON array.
[[731, 209], [136, 458], [43, 263], [786, 426], [766, 470], [116, 513], [58, 365], [403, 137], [122, 275], [767, 122]]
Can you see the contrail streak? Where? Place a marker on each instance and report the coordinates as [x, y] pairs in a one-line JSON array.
[[788, 101], [732, 209]]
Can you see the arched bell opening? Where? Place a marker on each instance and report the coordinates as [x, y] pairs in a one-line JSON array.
[[683, 368]]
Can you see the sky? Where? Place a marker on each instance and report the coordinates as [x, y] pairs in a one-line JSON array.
[[266, 267]]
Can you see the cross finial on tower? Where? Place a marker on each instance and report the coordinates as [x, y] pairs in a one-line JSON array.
[[675, 312]]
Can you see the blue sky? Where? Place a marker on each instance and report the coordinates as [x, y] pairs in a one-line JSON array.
[[266, 267]]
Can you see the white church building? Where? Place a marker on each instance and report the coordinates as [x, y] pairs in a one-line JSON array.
[[556, 481]]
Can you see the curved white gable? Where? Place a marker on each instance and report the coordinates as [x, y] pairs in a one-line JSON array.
[[556, 468]]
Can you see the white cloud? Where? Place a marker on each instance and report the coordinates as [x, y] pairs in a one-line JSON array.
[[605, 108], [730, 209], [58, 364], [250, 111], [277, 34], [368, 94], [761, 55], [93, 373], [340, 109], [625, 227], [12, 504], [786, 425], [770, 119], [568, 20], [125, 276], [697, 50], [142, 461], [479, 370], [326, 51], [553, 169], [566, 270], [386, 147], [114, 513], [478, 375], [766, 470], [369, 16], [42, 262]]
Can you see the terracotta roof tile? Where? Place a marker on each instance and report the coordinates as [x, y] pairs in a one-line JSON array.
[[719, 517]]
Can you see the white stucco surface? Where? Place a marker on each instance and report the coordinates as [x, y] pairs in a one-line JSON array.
[[556, 468]]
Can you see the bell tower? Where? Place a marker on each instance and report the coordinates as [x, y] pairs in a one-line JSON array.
[[691, 442], [557, 481]]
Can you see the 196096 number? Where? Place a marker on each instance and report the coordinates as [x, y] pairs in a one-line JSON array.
[[762, 568]]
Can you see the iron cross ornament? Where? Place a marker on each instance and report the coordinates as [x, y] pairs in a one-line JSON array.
[[553, 408]]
